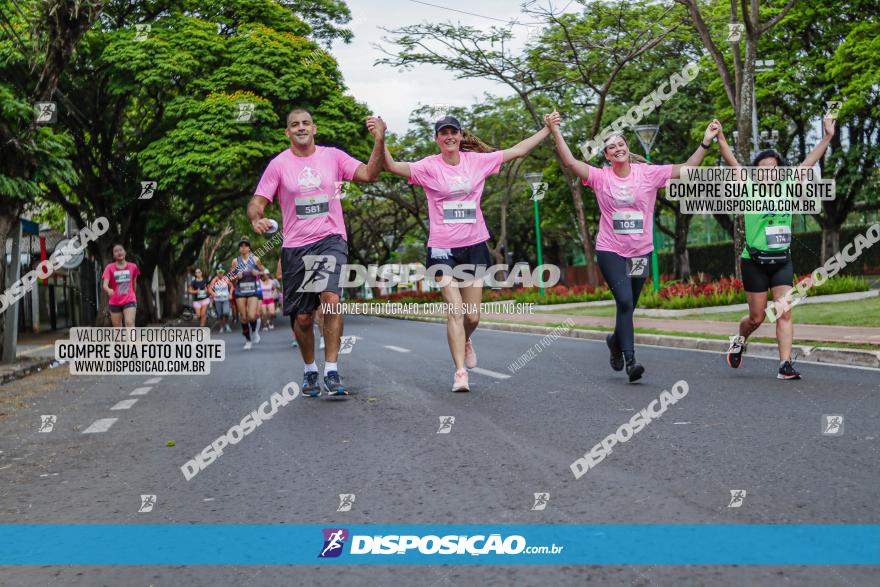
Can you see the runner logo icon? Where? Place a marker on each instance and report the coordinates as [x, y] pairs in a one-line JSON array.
[[346, 500], [446, 423], [636, 266], [736, 498], [47, 422], [541, 501], [832, 424], [147, 503], [318, 271], [334, 541]]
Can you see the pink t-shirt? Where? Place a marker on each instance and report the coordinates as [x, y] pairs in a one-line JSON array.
[[121, 281], [307, 193], [627, 207], [454, 193]]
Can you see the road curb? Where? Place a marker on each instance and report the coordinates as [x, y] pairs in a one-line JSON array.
[[17, 372], [804, 353]]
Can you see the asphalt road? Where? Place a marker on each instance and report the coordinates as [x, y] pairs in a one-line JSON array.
[[514, 435]]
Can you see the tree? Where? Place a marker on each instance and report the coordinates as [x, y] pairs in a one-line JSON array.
[[168, 108], [32, 156], [739, 87]]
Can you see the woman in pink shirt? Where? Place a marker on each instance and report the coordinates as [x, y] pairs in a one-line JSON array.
[[626, 193], [119, 280], [453, 181]]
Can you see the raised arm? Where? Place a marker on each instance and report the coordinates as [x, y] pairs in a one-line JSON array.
[[726, 151], [524, 147], [396, 167], [697, 158], [816, 154], [370, 172], [581, 169]]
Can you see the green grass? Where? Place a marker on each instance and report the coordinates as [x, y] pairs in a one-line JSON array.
[[836, 345], [854, 313]]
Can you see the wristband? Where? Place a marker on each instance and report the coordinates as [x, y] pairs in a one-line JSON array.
[[705, 146]]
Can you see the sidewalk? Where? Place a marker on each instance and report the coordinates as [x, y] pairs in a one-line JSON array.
[[33, 352], [802, 332]]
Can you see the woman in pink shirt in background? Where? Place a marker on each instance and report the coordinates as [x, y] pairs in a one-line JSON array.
[[119, 280], [453, 181], [626, 193]]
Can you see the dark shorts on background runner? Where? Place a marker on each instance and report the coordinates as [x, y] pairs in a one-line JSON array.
[[759, 278], [117, 309], [477, 254], [323, 273]]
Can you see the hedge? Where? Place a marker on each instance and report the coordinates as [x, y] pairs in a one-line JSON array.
[[717, 259]]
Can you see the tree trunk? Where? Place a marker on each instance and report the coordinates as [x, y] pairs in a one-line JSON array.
[[681, 260], [577, 191], [830, 242]]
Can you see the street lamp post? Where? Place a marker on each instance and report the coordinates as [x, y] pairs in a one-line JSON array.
[[647, 134], [534, 180]]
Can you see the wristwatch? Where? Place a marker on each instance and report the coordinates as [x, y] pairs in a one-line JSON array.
[[706, 146]]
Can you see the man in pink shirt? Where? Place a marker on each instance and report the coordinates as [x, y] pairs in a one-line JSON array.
[[305, 179]]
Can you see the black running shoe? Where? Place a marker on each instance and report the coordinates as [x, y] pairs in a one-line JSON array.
[[736, 350], [616, 353], [311, 387], [635, 371], [333, 385], [787, 371]]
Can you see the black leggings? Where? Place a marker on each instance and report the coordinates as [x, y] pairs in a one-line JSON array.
[[626, 291]]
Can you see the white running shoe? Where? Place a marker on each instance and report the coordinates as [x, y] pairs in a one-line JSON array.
[[247, 346], [321, 345], [470, 355], [228, 329], [256, 338]]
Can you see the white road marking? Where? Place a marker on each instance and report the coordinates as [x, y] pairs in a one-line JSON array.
[[209, 499], [141, 391], [153, 381], [395, 348], [488, 373], [681, 422], [125, 404], [102, 425]]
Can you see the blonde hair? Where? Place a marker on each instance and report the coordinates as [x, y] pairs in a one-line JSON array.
[[471, 142], [633, 158]]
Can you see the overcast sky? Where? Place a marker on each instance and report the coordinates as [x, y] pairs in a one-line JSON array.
[[393, 93]]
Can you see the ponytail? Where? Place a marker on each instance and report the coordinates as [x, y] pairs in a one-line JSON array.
[[471, 142], [633, 158]]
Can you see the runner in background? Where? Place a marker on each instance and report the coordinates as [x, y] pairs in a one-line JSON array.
[[268, 306], [766, 260], [219, 290], [453, 181], [119, 281], [198, 288], [626, 192], [245, 269], [303, 178]]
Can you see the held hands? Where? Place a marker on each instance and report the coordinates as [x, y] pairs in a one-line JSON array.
[[712, 131], [376, 126], [553, 120]]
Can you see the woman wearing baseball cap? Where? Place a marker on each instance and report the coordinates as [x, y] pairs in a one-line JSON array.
[[766, 259], [453, 181], [245, 269]]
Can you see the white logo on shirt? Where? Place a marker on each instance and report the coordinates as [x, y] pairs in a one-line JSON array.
[[309, 180], [458, 185], [623, 195]]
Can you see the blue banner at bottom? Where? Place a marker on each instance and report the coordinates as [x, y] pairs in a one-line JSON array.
[[612, 544]]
